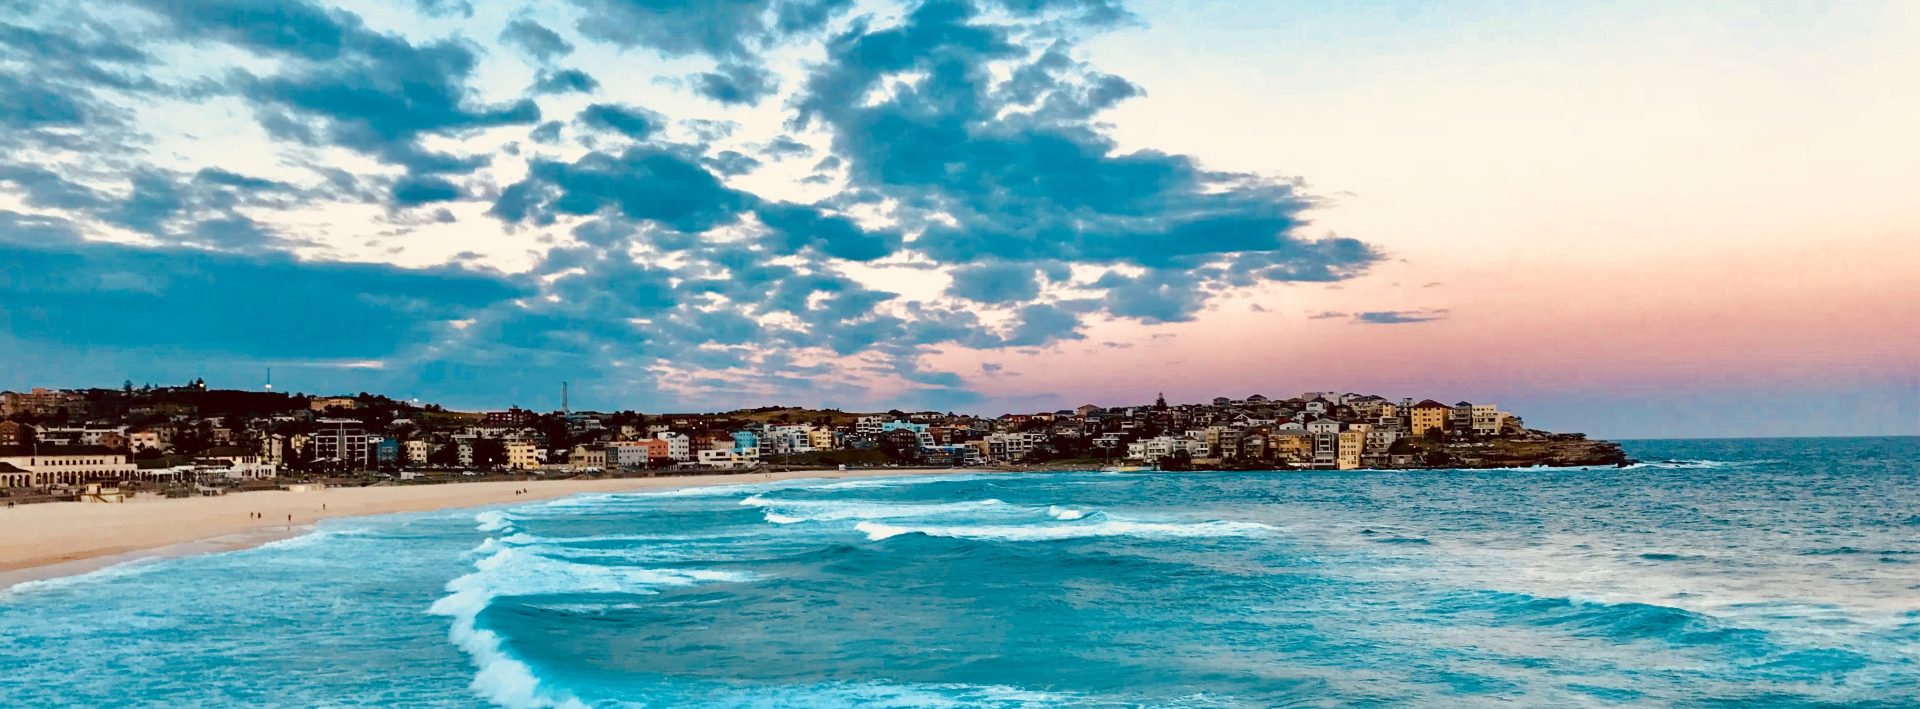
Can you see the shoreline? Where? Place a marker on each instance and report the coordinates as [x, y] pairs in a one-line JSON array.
[[53, 540]]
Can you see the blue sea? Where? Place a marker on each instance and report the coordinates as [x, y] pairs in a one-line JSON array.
[[1724, 573]]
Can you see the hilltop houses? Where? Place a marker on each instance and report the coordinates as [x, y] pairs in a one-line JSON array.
[[54, 438]]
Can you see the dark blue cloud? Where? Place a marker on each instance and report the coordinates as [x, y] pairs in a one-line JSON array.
[[565, 81], [736, 84], [1018, 170], [996, 282], [201, 208], [733, 29], [51, 80], [786, 147], [631, 121], [1042, 323], [107, 295], [796, 226], [415, 191], [731, 163], [643, 183], [535, 39]]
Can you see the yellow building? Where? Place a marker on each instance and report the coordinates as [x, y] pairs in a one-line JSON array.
[[1352, 443], [1427, 416], [821, 439], [1292, 446], [522, 455]]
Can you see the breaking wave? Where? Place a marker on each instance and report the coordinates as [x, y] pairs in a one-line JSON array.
[[795, 511], [1064, 513], [1039, 533], [512, 569]]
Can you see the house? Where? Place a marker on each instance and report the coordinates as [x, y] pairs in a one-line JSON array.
[[511, 418], [1291, 445], [522, 454], [1460, 418], [1352, 444], [1324, 426], [626, 455], [1427, 416], [1487, 420], [417, 451], [14, 433], [344, 442], [150, 439], [822, 439], [679, 447], [1326, 450], [321, 404], [586, 457], [234, 463], [726, 459], [920, 431]]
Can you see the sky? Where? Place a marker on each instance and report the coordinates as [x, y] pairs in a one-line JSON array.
[[1642, 219]]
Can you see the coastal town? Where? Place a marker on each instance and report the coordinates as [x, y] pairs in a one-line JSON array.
[[100, 444]]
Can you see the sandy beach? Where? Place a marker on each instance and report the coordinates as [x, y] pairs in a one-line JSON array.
[[58, 539]]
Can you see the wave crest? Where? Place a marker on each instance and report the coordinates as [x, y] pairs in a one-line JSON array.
[[876, 531], [504, 679]]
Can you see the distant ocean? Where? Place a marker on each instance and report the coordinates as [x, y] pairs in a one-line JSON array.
[[1720, 573]]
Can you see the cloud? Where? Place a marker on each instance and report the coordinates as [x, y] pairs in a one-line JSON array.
[[633, 122], [346, 85], [784, 147], [643, 183], [996, 282], [565, 81], [1016, 171], [415, 191], [959, 139], [265, 305], [535, 39], [731, 163], [736, 84], [1398, 317], [735, 29]]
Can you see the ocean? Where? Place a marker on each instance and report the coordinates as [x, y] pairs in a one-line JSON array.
[[1720, 573]]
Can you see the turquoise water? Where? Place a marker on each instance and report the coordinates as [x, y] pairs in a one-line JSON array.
[[1728, 573]]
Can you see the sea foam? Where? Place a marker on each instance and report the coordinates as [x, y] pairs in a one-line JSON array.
[[1037, 533], [795, 511], [504, 679]]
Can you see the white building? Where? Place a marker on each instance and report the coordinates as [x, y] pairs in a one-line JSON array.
[[70, 465], [679, 446], [794, 438]]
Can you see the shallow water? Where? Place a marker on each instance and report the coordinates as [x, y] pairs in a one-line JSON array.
[[1729, 573]]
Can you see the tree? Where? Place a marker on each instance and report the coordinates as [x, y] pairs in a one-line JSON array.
[[445, 456], [489, 453]]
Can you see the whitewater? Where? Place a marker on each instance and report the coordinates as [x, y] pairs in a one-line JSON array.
[[1719, 573]]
